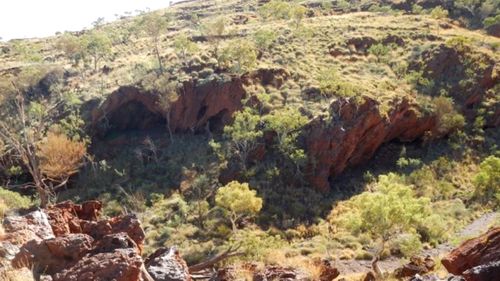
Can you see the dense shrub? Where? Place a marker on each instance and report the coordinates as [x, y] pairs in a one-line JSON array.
[[487, 180], [10, 200]]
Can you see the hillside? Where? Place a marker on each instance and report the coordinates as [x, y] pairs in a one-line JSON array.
[[296, 133]]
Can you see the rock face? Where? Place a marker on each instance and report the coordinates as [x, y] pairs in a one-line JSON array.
[[354, 133], [477, 258], [68, 242], [212, 100]]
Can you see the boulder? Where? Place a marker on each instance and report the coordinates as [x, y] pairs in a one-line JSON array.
[[165, 264], [481, 251], [34, 225], [70, 246], [484, 272], [119, 265], [417, 265]]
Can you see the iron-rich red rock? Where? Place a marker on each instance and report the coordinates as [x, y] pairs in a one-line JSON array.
[[212, 101], [119, 265], [417, 265], [475, 252], [355, 131]]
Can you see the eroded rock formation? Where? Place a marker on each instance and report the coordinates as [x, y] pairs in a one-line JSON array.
[[211, 101], [355, 131]]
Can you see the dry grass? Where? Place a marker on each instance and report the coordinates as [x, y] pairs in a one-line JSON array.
[[22, 274]]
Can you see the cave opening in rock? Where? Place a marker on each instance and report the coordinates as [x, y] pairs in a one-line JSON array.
[[217, 122], [134, 116]]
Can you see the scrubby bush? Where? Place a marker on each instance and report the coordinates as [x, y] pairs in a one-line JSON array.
[[449, 120], [73, 47], [60, 157], [255, 244], [184, 46], [380, 51], [330, 84], [240, 56], [264, 39], [487, 180]]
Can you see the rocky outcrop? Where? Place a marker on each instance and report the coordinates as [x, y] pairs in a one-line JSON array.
[[166, 265], [417, 265], [477, 258], [119, 265], [212, 100], [354, 132], [324, 271], [70, 242]]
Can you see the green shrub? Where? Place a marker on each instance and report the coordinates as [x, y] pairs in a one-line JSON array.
[[389, 210], [487, 180], [10, 200], [255, 244], [240, 56], [264, 39], [331, 85], [489, 21], [380, 51], [449, 120], [408, 244]]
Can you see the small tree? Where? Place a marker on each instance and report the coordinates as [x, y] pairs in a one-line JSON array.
[[154, 25], [276, 9], [239, 201], [168, 96], [98, 46], [286, 123], [49, 158], [297, 12], [390, 209], [487, 180], [50, 161], [184, 46], [243, 133]]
